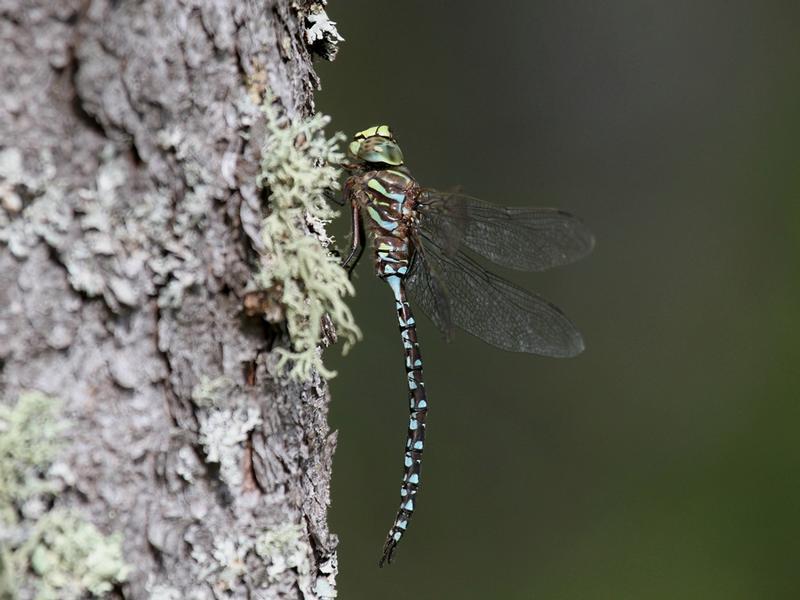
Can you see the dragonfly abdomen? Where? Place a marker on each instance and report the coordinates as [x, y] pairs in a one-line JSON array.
[[418, 406], [392, 256]]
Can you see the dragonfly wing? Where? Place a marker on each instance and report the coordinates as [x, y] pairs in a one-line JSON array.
[[489, 307], [428, 291], [528, 239]]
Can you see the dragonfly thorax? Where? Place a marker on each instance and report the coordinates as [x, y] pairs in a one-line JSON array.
[[387, 198]]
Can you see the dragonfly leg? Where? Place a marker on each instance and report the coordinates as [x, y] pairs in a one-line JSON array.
[[356, 246], [332, 196]]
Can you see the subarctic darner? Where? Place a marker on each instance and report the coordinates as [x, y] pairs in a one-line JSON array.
[[423, 240]]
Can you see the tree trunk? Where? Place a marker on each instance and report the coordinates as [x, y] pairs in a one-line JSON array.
[[187, 464]]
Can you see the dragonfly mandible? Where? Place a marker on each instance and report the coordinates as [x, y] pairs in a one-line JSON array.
[[424, 241]]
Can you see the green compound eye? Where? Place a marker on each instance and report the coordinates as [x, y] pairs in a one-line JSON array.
[[381, 150], [376, 145]]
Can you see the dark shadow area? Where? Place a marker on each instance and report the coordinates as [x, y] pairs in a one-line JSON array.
[[661, 463]]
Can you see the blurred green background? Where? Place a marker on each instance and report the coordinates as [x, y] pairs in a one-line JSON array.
[[664, 461]]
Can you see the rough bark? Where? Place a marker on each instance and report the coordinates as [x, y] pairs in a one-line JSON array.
[[129, 149]]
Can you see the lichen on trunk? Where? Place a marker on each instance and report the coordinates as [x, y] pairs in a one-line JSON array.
[[299, 167], [131, 233]]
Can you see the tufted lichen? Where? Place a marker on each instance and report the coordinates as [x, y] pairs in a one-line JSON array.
[[52, 551], [298, 167]]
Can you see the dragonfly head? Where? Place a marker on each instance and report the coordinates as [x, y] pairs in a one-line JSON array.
[[376, 145]]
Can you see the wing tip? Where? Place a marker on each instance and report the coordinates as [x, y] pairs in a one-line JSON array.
[[578, 348], [577, 345], [589, 239], [575, 348]]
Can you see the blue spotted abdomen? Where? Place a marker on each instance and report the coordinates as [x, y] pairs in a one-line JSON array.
[[392, 256], [418, 407]]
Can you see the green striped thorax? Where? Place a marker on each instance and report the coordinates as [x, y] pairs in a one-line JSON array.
[[376, 145]]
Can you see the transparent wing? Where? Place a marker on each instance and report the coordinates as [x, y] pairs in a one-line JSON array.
[[455, 290], [528, 239], [428, 291]]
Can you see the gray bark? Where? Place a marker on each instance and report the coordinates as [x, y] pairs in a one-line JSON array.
[[129, 147]]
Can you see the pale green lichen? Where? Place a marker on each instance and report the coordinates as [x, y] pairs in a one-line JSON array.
[[72, 557], [212, 392], [54, 552], [30, 437], [285, 553], [283, 548], [226, 563], [222, 434], [225, 420], [158, 591], [231, 556], [299, 168]]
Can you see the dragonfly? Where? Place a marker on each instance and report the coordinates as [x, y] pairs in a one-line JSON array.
[[425, 244]]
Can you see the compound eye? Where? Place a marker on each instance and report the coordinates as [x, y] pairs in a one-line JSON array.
[[376, 131]]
